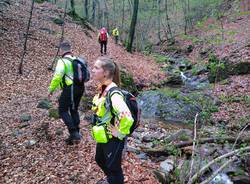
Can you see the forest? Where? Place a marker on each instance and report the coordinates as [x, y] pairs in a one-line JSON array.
[[187, 62]]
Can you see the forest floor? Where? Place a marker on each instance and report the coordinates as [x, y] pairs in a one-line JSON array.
[[35, 152]]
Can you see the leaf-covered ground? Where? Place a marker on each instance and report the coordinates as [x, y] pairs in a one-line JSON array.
[[35, 152]]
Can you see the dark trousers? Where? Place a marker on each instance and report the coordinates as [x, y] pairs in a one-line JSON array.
[[67, 112], [116, 39], [103, 47], [108, 157]]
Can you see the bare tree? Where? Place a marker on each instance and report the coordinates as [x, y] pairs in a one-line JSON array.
[[62, 37], [159, 20], [132, 26], [26, 38], [72, 6], [93, 12], [86, 4]]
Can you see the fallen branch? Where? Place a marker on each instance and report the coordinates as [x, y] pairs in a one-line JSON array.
[[219, 170], [193, 150], [163, 151], [204, 168], [241, 132]]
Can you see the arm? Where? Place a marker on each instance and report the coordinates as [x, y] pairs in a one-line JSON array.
[[125, 119], [58, 75]]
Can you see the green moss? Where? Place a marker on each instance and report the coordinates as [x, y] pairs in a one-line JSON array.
[[39, 1], [53, 113], [160, 58], [173, 93], [127, 82]]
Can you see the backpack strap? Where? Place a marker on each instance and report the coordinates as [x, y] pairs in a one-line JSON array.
[[108, 102]]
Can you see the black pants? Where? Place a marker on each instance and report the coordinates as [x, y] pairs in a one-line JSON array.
[[67, 112], [103, 46], [116, 39], [108, 157]]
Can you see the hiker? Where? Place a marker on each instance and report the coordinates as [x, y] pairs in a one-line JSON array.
[[111, 135], [103, 40], [71, 93], [115, 34]]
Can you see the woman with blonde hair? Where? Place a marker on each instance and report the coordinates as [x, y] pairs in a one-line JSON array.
[[111, 126]]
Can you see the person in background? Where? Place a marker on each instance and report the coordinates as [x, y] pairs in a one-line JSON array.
[[115, 34], [103, 40]]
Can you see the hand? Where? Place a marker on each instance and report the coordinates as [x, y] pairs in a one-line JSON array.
[[49, 96], [113, 130]]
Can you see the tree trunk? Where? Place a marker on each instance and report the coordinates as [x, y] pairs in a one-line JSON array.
[[62, 37], [123, 15], [86, 9], [114, 15], [99, 17], [169, 31], [26, 38], [72, 5], [93, 12], [159, 20], [106, 15], [132, 26]]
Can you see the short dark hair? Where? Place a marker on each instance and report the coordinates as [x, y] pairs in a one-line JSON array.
[[65, 46]]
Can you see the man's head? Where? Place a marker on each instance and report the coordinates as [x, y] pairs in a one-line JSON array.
[[65, 47]]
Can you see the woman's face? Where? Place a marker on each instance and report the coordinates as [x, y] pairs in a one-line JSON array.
[[98, 72]]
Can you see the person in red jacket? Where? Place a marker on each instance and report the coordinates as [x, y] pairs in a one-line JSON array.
[[103, 40]]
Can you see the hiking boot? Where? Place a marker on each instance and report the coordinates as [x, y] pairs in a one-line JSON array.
[[103, 181], [74, 138]]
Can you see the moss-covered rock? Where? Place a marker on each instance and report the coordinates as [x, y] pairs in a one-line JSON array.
[[44, 104], [58, 21], [127, 82], [39, 1], [53, 113], [25, 117]]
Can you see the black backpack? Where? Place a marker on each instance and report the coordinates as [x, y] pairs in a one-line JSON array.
[[81, 72], [131, 103]]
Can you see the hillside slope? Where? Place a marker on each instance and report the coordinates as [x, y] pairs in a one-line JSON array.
[[35, 152]]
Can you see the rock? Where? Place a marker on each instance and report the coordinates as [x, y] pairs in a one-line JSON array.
[[142, 156], [30, 143], [167, 165], [173, 80], [132, 149], [221, 178], [136, 135], [153, 126], [139, 130], [166, 106], [240, 179], [182, 135], [53, 113], [17, 133], [58, 21], [59, 131], [189, 49], [149, 145], [161, 176], [152, 136], [44, 104], [25, 117]]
